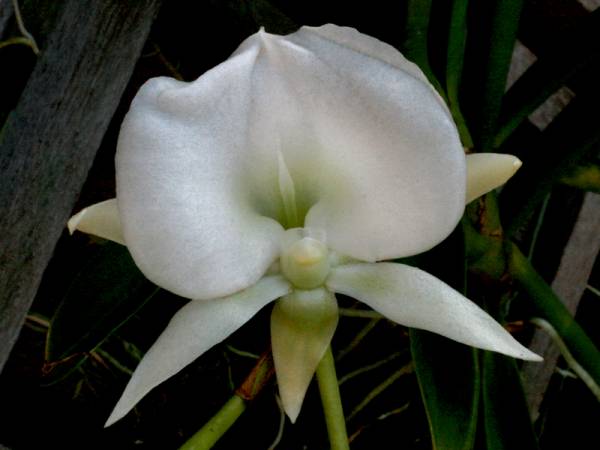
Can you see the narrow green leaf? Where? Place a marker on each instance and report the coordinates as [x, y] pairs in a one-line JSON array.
[[572, 137], [574, 53], [457, 38], [548, 306], [107, 292], [415, 44], [503, 33], [506, 417], [585, 176], [448, 376]]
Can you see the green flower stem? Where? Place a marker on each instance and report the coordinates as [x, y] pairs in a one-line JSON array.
[[212, 431], [216, 427], [332, 402]]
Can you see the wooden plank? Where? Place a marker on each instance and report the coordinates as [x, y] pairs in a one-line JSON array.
[[570, 282], [50, 140], [6, 12]]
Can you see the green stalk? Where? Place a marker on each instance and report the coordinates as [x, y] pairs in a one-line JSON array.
[[216, 427], [332, 402]]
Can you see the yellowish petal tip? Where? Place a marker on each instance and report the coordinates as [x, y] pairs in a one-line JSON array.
[[75, 220], [517, 163], [293, 413]]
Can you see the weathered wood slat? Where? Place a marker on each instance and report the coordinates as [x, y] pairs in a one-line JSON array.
[[50, 140], [6, 12]]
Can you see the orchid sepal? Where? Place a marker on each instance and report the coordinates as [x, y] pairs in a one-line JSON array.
[[100, 219], [414, 298], [194, 329], [487, 171], [302, 325]]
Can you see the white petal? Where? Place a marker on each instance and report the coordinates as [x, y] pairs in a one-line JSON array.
[[101, 219], [302, 325], [361, 43], [195, 328], [487, 171], [414, 298], [371, 151], [189, 219], [374, 155]]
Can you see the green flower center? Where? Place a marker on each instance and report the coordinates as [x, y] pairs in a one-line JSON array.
[[305, 262]]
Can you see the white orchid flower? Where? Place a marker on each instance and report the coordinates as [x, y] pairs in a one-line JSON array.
[[285, 173]]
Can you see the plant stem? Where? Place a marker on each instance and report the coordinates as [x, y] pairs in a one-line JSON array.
[[332, 402], [212, 431], [254, 383]]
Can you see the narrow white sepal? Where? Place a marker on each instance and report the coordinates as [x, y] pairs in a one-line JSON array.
[[101, 219], [414, 298], [302, 325], [194, 329], [487, 171]]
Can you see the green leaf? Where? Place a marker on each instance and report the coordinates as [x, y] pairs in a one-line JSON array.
[[506, 417], [103, 296], [501, 41], [416, 38], [448, 375], [548, 306], [457, 38], [574, 53], [585, 176], [572, 137]]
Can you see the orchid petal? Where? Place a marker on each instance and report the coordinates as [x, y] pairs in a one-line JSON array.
[[362, 43], [194, 329], [189, 220], [414, 298], [384, 165], [101, 219], [302, 325], [487, 171], [373, 154]]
